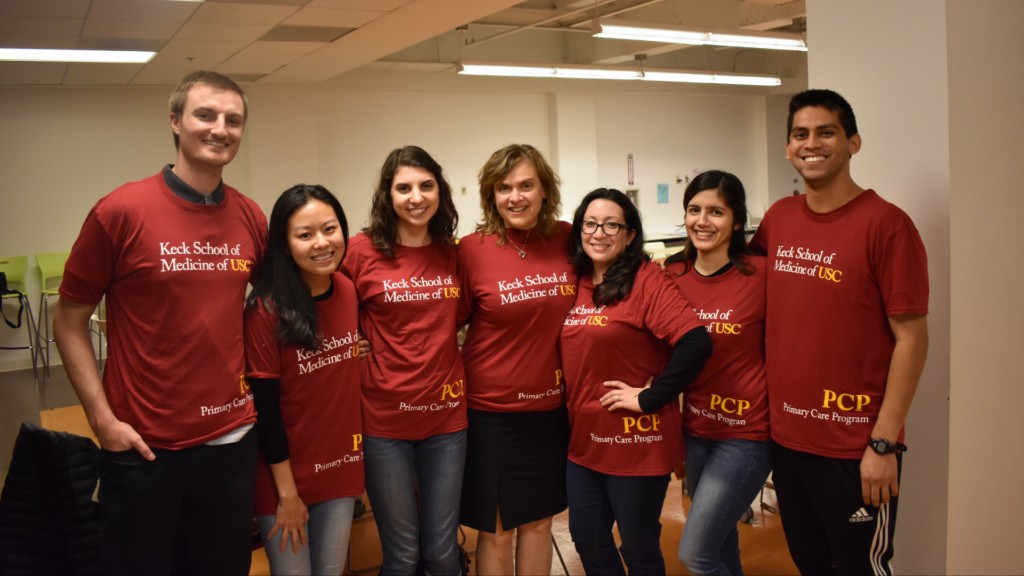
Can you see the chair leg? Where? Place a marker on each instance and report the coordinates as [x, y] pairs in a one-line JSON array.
[[768, 485], [44, 339], [31, 332], [33, 335], [561, 560]]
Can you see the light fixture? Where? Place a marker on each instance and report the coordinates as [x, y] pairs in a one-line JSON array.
[[626, 30], [605, 73], [101, 56]]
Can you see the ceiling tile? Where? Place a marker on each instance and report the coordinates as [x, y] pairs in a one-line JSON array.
[[217, 13], [27, 26], [304, 34], [32, 72], [139, 10], [56, 42], [255, 63], [105, 74], [381, 5], [283, 47], [130, 29], [203, 31], [186, 48], [332, 17], [45, 8]]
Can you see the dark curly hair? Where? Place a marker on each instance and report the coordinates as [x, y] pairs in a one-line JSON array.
[[383, 228]]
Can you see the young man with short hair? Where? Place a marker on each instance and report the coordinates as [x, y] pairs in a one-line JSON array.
[[846, 341], [172, 254]]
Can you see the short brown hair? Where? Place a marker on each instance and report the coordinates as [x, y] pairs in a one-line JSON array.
[[215, 79]]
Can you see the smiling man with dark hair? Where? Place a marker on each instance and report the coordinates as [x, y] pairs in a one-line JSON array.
[[846, 341]]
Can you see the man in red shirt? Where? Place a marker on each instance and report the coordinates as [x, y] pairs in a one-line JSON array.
[[846, 341], [172, 255]]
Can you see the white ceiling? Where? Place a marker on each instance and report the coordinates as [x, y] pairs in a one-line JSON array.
[[313, 41]]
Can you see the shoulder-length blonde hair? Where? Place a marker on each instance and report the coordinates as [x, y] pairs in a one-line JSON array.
[[497, 168]]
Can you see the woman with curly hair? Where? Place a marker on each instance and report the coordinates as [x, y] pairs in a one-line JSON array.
[[518, 285], [414, 411]]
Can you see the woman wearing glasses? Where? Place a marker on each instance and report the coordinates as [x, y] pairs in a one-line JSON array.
[[725, 417], [630, 345]]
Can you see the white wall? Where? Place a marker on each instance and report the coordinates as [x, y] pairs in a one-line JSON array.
[[986, 74], [783, 179], [65, 147], [672, 139]]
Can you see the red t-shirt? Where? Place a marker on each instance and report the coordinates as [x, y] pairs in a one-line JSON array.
[[517, 309], [729, 399], [630, 341], [413, 380], [174, 274], [833, 281], [320, 399]]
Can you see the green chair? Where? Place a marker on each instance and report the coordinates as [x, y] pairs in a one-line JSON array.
[[51, 272], [14, 267]]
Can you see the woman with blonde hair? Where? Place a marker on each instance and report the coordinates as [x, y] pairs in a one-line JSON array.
[[518, 285]]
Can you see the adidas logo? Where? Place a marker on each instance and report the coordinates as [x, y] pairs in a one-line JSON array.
[[861, 516]]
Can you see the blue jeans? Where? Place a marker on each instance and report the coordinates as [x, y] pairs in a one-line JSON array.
[[723, 478], [597, 501], [414, 488], [327, 532]]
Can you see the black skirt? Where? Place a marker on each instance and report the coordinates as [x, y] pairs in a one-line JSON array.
[[515, 462]]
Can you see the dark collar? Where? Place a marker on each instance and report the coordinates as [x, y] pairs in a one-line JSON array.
[[188, 193]]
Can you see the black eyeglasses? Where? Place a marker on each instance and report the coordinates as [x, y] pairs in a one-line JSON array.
[[609, 228]]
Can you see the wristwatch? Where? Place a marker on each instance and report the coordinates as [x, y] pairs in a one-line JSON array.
[[881, 446]]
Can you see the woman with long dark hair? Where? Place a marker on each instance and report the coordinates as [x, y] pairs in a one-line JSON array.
[[630, 345], [414, 411], [725, 413], [302, 354]]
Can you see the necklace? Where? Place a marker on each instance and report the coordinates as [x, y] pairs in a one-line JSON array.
[[522, 251]]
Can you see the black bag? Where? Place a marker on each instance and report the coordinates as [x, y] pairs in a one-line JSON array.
[[4, 290]]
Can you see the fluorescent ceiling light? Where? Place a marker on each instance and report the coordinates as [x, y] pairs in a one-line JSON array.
[[102, 56], [625, 30], [705, 78], [600, 73]]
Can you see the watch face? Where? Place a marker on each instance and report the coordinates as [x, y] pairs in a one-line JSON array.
[[881, 446]]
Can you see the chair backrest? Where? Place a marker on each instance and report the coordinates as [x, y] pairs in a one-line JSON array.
[[51, 268], [14, 268]]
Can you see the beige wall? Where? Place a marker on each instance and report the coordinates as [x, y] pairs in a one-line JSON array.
[[986, 74]]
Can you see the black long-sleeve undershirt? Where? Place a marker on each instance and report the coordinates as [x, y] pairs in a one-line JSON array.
[[266, 394], [687, 360]]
